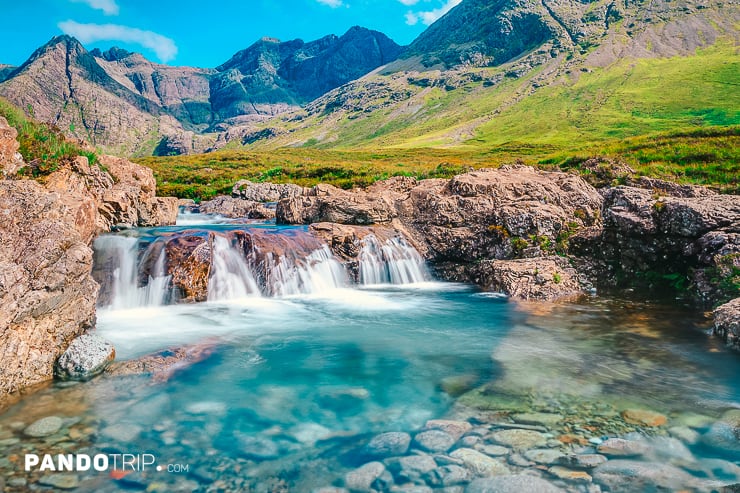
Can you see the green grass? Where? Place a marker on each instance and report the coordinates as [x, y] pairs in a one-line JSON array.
[[43, 147]]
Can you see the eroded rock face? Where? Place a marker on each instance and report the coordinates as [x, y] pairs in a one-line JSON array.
[[87, 356], [264, 192], [236, 207], [10, 160], [727, 323]]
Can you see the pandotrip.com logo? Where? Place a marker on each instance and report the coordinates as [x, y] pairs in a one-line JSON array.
[[100, 462]]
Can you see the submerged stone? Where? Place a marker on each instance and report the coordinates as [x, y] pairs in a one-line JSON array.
[[628, 476], [542, 419], [388, 444], [44, 427], [364, 478], [435, 441], [480, 464], [724, 435], [86, 357], [512, 484], [643, 417], [519, 439], [60, 481]]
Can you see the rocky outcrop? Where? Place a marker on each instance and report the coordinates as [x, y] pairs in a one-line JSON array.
[[727, 323], [10, 159], [264, 192], [47, 293], [86, 357], [235, 208]]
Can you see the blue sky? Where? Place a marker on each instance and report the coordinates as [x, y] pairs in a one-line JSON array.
[[203, 34]]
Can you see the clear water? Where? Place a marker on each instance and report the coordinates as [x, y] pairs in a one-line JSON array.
[[305, 380]]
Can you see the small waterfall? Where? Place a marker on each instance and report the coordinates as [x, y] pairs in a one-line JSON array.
[[231, 276], [318, 272], [391, 262], [122, 254]]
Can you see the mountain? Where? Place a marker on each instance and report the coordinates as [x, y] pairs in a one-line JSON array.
[[128, 105], [515, 75]]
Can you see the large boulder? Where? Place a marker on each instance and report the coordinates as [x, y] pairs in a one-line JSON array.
[[236, 208], [86, 357], [47, 296], [326, 203], [10, 159], [264, 192], [727, 323]]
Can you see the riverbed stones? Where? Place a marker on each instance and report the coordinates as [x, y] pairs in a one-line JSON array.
[[480, 464], [60, 481], [122, 432], [724, 434], [561, 472], [547, 420], [366, 477], [512, 484], [44, 427], [727, 323], [412, 468], [643, 417], [519, 439], [434, 441], [453, 475], [582, 461], [86, 357], [388, 444]]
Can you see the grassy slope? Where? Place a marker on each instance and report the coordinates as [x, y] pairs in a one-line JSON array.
[[676, 118]]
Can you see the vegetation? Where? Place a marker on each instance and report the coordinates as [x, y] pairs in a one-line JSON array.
[[43, 147]]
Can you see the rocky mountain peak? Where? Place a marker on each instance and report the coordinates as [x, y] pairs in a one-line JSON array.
[[113, 54]]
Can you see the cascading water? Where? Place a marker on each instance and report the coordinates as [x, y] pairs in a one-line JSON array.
[[318, 272], [231, 276], [126, 291], [391, 262]]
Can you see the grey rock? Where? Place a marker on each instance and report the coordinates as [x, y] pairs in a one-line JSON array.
[[724, 434], [455, 429], [519, 439], [582, 461], [453, 475], [86, 357], [685, 434], [543, 456], [411, 468], [623, 448], [365, 477], [512, 484], [411, 488], [388, 444], [493, 450], [60, 481], [257, 448], [727, 322], [434, 441], [480, 464], [122, 432], [44, 427], [627, 475], [542, 419]]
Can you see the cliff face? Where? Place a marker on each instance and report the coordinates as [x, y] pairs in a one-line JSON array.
[[47, 293]]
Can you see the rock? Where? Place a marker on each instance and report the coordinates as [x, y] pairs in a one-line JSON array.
[[60, 481], [86, 357], [455, 429], [543, 456], [434, 441], [622, 448], [543, 278], [493, 450], [236, 208], [388, 445], [214, 408], [162, 365], [519, 439], [365, 477], [457, 385], [512, 484], [257, 448], [264, 192], [643, 417], [569, 474], [44, 427], [453, 475], [122, 432], [727, 323], [411, 468], [325, 203], [479, 464], [543, 419], [724, 434], [582, 461], [627, 476], [410, 488], [685, 434], [10, 159]]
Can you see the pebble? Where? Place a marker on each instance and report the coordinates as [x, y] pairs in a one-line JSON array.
[[258, 448], [122, 432], [364, 477], [60, 481], [412, 467], [470, 441], [643, 417], [480, 464], [510, 484], [455, 429], [622, 447], [17, 482], [519, 439], [569, 474], [595, 441], [330, 489], [434, 441], [724, 434], [582, 461], [685, 434], [206, 407], [9, 442], [388, 444], [543, 456], [411, 488], [493, 450], [519, 461], [627, 475], [44, 427], [454, 475]]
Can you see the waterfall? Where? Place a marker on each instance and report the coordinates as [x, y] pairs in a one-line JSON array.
[[231, 276], [122, 254], [317, 272], [391, 262]]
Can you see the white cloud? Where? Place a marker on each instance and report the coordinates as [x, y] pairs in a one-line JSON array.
[[163, 47], [430, 16], [331, 3], [109, 7]]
